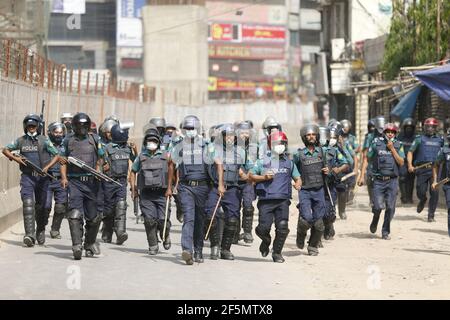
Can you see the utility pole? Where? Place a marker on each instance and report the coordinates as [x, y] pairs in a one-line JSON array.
[[438, 30]]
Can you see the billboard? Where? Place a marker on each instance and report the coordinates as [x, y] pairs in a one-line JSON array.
[[245, 52], [69, 6], [260, 33], [222, 32], [222, 84], [129, 24]]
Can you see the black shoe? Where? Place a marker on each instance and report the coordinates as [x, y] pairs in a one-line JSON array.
[[167, 243], [122, 238], [226, 255], [277, 257], [374, 223], [54, 234], [198, 257], [343, 216], [28, 241], [214, 253], [77, 252], [40, 237], [153, 250], [187, 256], [264, 249], [247, 237], [300, 242], [421, 205], [312, 251], [431, 220], [92, 249], [385, 237]]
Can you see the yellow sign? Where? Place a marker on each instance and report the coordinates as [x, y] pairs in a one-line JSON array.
[[212, 83]]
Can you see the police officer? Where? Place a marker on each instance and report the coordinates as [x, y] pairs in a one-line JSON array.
[[191, 159], [425, 149], [338, 166], [273, 175], [444, 160], [66, 120], [386, 156], [56, 133], [375, 128], [247, 140], [406, 180], [232, 158], [160, 124], [154, 182], [310, 162], [83, 187], [167, 137], [118, 154], [352, 144], [269, 125], [33, 187]]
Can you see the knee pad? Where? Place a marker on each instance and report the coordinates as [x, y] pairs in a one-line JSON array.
[[303, 224], [122, 205], [60, 208], [319, 225], [75, 214], [282, 225], [376, 211]]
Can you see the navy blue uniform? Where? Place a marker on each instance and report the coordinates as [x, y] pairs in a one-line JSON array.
[[406, 178]]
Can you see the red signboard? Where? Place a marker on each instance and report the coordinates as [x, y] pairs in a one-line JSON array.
[[259, 33], [221, 31]]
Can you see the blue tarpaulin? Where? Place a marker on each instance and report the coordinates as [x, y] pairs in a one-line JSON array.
[[437, 79], [405, 108]]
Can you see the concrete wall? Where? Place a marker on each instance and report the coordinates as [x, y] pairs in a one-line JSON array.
[[176, 51]]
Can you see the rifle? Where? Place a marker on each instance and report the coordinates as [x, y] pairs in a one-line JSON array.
[[423, 165], [35, 168], [99, 175], [442, 182], [42, 124]]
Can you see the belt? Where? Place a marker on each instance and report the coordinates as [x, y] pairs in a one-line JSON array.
[[195, 183], [84, 178], [384, 178]]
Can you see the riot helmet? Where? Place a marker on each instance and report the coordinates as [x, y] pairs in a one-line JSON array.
[[278, 142], [408, 127], [191, 126], [31, 120], [81, 124], [56, 132], [324, 133], [119, 135], [379, 121], [346, 126], [430, 126], [371, 126], [160, 123], [310, 129]]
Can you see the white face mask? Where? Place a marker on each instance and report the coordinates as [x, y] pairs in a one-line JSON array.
[[34, 134], [323, 142], [152, 146], [279, 149], [191, 133], [332, 142]]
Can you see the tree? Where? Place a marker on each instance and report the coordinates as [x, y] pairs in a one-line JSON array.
[[412, 39]]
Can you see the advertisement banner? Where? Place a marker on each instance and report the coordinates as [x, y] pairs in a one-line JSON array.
[[221, 32], [245, 52], [129, 24], [69, 6], [258, 33], [221, 84]]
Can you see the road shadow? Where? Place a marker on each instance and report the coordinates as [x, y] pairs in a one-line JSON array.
[[408, 218], [61, 255], [447, 253], [440, 232], [126, 249], [135, 229], [249, 259], [358, 235], [293, 253], [14, 243], [58, 246]]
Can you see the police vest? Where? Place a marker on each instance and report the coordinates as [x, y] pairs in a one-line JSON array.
[[56, 169], [231, 166], [118, 159], [311, 170], [428, 149], [154, 172], [33, 150], [84, 150], [193, 166], [384, 162], [279, 187], [406, 141]]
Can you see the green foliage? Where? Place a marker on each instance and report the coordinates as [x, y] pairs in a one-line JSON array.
[[412, 37]]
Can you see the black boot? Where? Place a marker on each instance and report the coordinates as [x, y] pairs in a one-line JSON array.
[[29, 222], [231, 226], [120, 222], [151, 226], [41, 221], [302, 229], [166, 241], [264, 234], [198, 256], [316, 235], [76, 232], [247, 224], [58, 215], [329, 232], [91, 246], [342, 203], [213, 238], [281, 234], [375, 219], [108, 225], [236, 236]]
